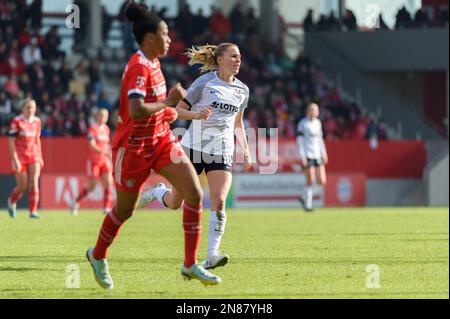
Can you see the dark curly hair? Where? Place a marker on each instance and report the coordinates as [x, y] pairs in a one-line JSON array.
[[144, 21]]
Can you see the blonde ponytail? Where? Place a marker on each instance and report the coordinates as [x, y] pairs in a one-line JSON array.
[[204, 55], [207, 55]]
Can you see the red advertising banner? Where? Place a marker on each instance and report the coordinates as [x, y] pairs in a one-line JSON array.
[[345, 190], [390, 159], [58, 191]]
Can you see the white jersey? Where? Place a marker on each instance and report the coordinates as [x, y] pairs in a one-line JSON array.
[[310, 139], [214, 136]]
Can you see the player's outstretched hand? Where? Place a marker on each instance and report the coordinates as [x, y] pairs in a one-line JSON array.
[[176, 93], [204, 114], [170, 114]]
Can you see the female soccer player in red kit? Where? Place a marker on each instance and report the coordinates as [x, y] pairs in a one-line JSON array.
[[98, 164], [25, 150], [144, 141]]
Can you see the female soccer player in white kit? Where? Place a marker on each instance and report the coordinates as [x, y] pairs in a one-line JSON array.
[[218, 100], [313, 154]]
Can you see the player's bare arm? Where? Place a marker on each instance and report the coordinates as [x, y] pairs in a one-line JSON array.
[[140, 109], [94, 147], [242, 139], [185, 114], [13, 152]]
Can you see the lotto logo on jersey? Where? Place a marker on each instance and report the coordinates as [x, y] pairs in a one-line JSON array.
[[225, 107]]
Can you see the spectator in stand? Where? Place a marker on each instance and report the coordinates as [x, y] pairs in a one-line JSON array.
[[322, 24], [237, 21], [6, 14], [95, 82], [177, 48], [32, 53], [200, 25], [81, 33], [4, 66], [5, 107], [421, 19], [66, 75], [107, 21], [53, 42], [349, 21], [308, 22], [36, 14], [219, 25], [127, 33], [381, 24], [12, 86], [333, 23], [403, 19], [443, 16], [251, 22], [9, 36], [184, 23], [104, 103], [25, 83]]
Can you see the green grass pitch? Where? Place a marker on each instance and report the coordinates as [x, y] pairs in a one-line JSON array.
[[282, 253]]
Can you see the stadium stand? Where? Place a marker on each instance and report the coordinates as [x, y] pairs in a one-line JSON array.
[[69, 89]]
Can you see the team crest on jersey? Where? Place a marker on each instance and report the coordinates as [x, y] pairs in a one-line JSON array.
[[140, 81], [238, 95]]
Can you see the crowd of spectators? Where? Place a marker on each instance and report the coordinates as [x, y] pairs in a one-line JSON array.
[[66, 95], [280, 87], [348, 22], [32, 65]]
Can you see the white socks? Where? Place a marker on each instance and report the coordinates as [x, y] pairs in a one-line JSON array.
[[216, 231], [309, 197], [159, 193]]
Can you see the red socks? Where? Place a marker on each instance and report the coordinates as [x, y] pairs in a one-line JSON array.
[[109, 231], [33, 199], [192, 224], [15, 195], [82, 194], [192, 217]]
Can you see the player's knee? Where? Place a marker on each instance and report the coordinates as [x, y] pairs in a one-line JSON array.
[[174, 204], [195, 196], [125, 214], [22, 188], [32, 187], [220, 204]]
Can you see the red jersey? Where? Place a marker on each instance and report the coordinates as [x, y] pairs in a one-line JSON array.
[[27, 134], [143, 78], [99, 133]]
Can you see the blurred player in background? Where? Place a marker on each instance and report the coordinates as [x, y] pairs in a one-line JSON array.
[[98, 164], [218, 99], [25, 150], [143, 141], [313, 154]]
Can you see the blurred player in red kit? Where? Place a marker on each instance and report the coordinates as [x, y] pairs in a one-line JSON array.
[[143, 142], [26, 155], [98, 165]]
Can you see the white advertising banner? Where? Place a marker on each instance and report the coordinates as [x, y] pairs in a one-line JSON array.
[[277, 190]]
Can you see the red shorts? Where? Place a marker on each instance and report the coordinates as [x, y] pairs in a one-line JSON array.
[[25, 162], [131, 171], [95, 169]]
